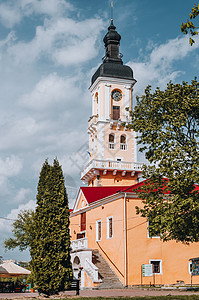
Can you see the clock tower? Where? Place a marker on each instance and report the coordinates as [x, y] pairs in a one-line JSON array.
[[112, 146]]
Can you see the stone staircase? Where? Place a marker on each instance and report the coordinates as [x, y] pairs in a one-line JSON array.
[[108, 277]]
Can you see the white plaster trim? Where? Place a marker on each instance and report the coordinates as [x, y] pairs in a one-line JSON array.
[[107, 101], [93, 104], [77, 200], [100, 141], [99, 104]]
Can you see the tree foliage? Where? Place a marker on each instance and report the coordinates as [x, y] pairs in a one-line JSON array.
[[189, 27], [22, 230], [167, 123], [51, 252], [46, 233]]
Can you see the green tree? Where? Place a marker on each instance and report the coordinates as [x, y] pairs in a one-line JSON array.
[[51, 251], [167, 123], [46, 233], [189, 27], [22, 230]]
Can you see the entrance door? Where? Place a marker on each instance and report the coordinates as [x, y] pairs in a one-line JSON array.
[[116, 112]]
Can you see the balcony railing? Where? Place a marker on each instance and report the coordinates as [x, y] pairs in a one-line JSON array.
[[79, 244], [111, 145], [123, 146], [111, 165]]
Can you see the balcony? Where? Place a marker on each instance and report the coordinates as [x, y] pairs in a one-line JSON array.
[[92, 120], [80, 244], [109, 165]]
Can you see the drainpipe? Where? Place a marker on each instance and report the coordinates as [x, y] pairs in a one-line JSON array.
[[125, 241]]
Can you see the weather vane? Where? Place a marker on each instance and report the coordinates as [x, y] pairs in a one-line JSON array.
[[111, 11]]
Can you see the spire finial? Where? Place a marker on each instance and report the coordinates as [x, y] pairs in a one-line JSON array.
[[112, 12]]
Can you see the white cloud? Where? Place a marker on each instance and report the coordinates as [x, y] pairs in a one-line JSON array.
[[20, 133], [12, 12], [51, 91], [6, 224], [22, 195], [11, 166], [64, 41], [9, 15], [158, 69]]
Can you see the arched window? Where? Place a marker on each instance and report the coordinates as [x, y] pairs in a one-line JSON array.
[[96, 97], [96, 100], [111, 141], [123, 144]]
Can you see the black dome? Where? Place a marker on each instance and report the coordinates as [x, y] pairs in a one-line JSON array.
[[112, 36], [112, 69], [112, 65]]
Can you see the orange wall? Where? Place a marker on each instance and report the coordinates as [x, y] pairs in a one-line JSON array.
[[109, 179], [114, 247], [174, 256]]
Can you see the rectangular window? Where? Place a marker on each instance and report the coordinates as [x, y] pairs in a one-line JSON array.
[[149, 235], [98, 230], [116, 112], [83, 222], [157, 265], [109, 227]]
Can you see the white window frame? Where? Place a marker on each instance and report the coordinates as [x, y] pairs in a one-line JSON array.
[[97, 230], [108, 223], [151, 237], [160, 260], [190, 263]]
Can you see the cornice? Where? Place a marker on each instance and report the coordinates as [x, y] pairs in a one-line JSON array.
[[110, 80]]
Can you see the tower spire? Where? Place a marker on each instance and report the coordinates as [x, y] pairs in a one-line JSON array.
[[112, 43], [111, 12]]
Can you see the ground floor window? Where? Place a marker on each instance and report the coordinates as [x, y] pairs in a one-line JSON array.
[[157, 265]]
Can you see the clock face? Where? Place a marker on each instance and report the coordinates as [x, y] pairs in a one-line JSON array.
[[116, 95]]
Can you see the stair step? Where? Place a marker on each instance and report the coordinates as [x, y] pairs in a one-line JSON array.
[[106, 274]]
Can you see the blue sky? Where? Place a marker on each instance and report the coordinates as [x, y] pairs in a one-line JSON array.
[[49, 49]]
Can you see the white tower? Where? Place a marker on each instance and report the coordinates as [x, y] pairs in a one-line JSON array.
[[113, 158]]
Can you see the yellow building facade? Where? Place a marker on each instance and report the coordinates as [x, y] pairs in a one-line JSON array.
[[110, 243]]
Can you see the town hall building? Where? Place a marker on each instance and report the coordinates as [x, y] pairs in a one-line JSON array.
[[110, 243]]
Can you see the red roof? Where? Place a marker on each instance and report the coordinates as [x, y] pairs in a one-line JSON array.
[[93, 193], [137, 185]]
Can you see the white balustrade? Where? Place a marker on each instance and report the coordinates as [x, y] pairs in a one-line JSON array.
[[111, 145], [92, 270], [123, 146], [111, 165], [79, 244]]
